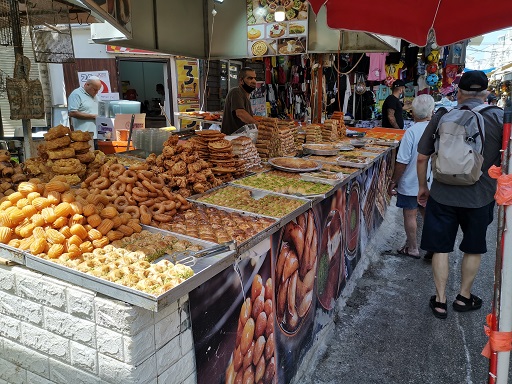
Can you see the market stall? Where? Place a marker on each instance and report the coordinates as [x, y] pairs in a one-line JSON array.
[[280, 243]]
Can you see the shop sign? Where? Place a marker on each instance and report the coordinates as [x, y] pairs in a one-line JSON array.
[[188, 107], [267, 37], [188, 79], [102, 75]]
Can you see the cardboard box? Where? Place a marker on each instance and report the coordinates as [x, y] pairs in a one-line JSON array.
[[122, 121]]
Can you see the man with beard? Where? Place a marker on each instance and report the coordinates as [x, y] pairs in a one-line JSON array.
[[392, 107], [237, 108]]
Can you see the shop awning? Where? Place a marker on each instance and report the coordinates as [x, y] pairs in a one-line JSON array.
[[186, 28], [452, 20]]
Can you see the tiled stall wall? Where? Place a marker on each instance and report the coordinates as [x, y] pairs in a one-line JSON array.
[[54, 332]]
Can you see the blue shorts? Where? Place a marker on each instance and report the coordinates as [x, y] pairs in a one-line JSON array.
[[406, 202], [442, 223]]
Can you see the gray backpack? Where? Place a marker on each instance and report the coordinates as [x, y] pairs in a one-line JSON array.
[[459, 146]]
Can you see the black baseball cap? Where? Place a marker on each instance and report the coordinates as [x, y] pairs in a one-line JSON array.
[[473, 81], [398, 83]]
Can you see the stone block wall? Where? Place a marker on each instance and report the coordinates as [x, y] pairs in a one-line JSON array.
[[55, 332]]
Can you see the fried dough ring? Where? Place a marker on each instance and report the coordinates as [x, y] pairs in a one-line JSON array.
[[80, 136], [118, 187], [116, 170], [80, 145], [121, 203], [59, 142], [101, 183], [64, 153], [128, 177], [67, 166], [85, 158], [133, 211], [93, 176], [56, 132]]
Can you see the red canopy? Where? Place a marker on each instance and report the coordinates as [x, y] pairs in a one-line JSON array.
[[452, 20]]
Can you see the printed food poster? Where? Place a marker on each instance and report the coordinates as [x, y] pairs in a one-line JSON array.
[[268, 37], [233, 323], [255, 323], [188, 79]]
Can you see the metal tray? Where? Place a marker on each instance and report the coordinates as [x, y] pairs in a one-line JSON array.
[[316, 149], [307, 203], [252, 241], [345, 163], [204, 268], [288, 169], [312, 196], [13, 254]]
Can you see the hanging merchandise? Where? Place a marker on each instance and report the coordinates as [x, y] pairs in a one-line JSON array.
[[360, 86], [433, 56], [432, 68], [449, 74], [393, 70], [432, 79], [421, 67], [377, 70]]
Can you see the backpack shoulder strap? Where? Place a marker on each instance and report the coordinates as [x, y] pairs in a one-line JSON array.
[[442, 111], [484, 107]]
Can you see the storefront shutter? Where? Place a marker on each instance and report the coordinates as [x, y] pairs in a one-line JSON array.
[[37, 71]]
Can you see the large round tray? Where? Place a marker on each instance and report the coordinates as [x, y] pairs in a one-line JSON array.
[[320, 149], [277, 162]]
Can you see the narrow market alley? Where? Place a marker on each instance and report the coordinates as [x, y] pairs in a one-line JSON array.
[[385, 332]]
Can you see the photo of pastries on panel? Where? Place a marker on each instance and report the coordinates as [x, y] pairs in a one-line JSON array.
[[292, 46], [263, 11], [276, 30], [296, 261], [258, 48], [297, 28], [255, 32]]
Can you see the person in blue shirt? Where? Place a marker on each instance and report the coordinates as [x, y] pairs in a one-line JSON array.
[[404, 183]]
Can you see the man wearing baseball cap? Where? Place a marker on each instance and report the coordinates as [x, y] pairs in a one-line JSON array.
[[469, 207], [392, 108]]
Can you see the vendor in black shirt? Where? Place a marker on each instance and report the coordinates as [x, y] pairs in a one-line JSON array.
[[392, 107]]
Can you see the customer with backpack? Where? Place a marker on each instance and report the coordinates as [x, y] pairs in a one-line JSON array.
[[463, 143], [404, 182]]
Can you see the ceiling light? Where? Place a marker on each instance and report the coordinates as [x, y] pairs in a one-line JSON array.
[[218, 1], [280, 13]]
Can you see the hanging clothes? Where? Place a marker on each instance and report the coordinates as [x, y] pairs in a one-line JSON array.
[[377, 71]]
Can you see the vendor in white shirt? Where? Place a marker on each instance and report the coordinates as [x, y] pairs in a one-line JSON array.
[[83, 107]]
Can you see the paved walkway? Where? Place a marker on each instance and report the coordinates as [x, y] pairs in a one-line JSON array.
[[386, 332]]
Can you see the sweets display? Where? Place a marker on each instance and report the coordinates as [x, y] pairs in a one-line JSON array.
[[282, 184], [244, 148], [216, 225], [181, 168], [242, 199]]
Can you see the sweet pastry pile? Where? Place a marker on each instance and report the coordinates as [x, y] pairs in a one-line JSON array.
[[182, 169], [53, 221], [245, 150], [330, 131], [300, 138], [313, 133], [137, 191], [216, 225], [340, 118], [67, 154], [241, 199], [275, 138], [11, 174], [225, 166]]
